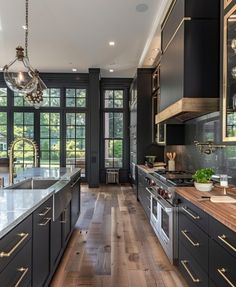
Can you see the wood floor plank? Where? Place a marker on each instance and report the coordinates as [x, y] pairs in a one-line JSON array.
[[113, 245]]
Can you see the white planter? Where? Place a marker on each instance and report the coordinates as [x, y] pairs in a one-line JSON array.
[[203, 186]]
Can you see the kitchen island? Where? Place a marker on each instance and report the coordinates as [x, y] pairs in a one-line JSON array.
[[36, 223]]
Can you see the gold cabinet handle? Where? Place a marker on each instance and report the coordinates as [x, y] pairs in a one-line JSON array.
[[184, 262], [45, 222], [184, 232], [24, 272], [223, 239], [189, 213], [9, 253], [45, 212], [222, 273]]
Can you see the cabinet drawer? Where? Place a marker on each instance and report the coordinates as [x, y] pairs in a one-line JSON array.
[[221, 266], [18, 272], [195, 240], [223, 235], [11, 243], [191, 270], [43, 213], [194, 213]]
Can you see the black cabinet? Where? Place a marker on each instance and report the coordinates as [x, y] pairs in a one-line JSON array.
[[12, 243], [42, 243], [143, 194], [190, 46], [207, 248], [170, 134], [56, 240], [193, 243], [191, 270], [75, 201], [222, 266], [18, 272], [141, 121], [66, 223]]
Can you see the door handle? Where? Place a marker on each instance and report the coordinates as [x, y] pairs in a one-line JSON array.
[[195, 244], [9, 253], [223, 239], [222, 272], [190, 213]]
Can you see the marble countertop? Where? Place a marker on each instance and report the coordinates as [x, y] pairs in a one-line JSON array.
[[17, 204]]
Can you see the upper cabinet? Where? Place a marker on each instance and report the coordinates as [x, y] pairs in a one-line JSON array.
[[189, 78], [229, 74]]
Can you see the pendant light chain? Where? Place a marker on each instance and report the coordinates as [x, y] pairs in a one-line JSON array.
[[26, 26]]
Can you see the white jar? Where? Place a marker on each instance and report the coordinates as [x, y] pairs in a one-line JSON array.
[[171, 165]]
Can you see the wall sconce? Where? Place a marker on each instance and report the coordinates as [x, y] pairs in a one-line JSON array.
[[207, 147]]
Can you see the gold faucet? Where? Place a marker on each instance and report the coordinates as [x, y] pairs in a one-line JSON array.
[[11, 156]]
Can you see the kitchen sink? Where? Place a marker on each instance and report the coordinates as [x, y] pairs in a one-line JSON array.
[[33, 184]]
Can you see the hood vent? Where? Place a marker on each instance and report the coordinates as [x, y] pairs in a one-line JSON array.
[[188, 108]]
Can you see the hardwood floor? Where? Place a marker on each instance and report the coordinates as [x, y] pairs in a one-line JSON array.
[[113, 245]]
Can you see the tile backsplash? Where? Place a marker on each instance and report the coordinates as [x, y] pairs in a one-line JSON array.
[[206, 128]]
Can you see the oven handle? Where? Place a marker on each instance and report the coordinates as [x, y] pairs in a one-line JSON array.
[[166, 207], [150, 190]]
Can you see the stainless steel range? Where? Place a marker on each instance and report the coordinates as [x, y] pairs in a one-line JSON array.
[[163, 207]]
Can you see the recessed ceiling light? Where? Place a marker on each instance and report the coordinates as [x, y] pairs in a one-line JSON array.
[[111, 43], [74, 70], [151, 59], [111, 70], [155, 49], [24, 27], [142, 7], [1, 69]]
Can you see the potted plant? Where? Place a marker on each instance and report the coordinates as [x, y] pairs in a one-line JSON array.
[[202, 179]]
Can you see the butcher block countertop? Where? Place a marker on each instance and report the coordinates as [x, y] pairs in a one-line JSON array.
[[223, 212]]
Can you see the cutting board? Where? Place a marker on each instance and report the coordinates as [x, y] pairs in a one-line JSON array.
[[222, 199]]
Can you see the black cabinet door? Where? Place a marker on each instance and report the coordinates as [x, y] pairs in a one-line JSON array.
[[66, 223], [41, 243], [172, 71], [75, 204], [221, 266], [56, 240]]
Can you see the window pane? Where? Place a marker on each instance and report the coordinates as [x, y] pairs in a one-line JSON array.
[[109, 94], [51, 97], [80, 132], [118, 95], [80, 119], [76, 98], [75, 140], [118, 125], [3, 134], [50, 139], [108, 103], [108, 125], [118, 104], [81, 103], [3, 97]]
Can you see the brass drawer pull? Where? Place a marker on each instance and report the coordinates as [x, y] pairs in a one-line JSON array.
[[45, 222], [222, 273], [189, 213], [184, 232], [184, 262], [9, 253], [24, 272], [223, 239], [45, 212]]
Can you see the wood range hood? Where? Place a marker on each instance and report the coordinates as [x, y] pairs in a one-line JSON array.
[[188, 108]]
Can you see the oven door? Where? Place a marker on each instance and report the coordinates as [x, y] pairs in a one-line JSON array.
[[165, 227], [154, 219]]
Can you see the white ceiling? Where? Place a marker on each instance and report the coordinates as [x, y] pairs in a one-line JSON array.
[[75, 33]]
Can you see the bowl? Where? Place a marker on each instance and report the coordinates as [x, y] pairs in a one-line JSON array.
[[203, 186]]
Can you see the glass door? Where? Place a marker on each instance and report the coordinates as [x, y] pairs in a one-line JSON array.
[[229, 77]]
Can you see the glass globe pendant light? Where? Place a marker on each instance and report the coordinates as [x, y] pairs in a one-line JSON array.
[[18, 74], [35, 98]]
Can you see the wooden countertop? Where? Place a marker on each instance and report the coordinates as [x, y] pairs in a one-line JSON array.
[[223, 212]]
